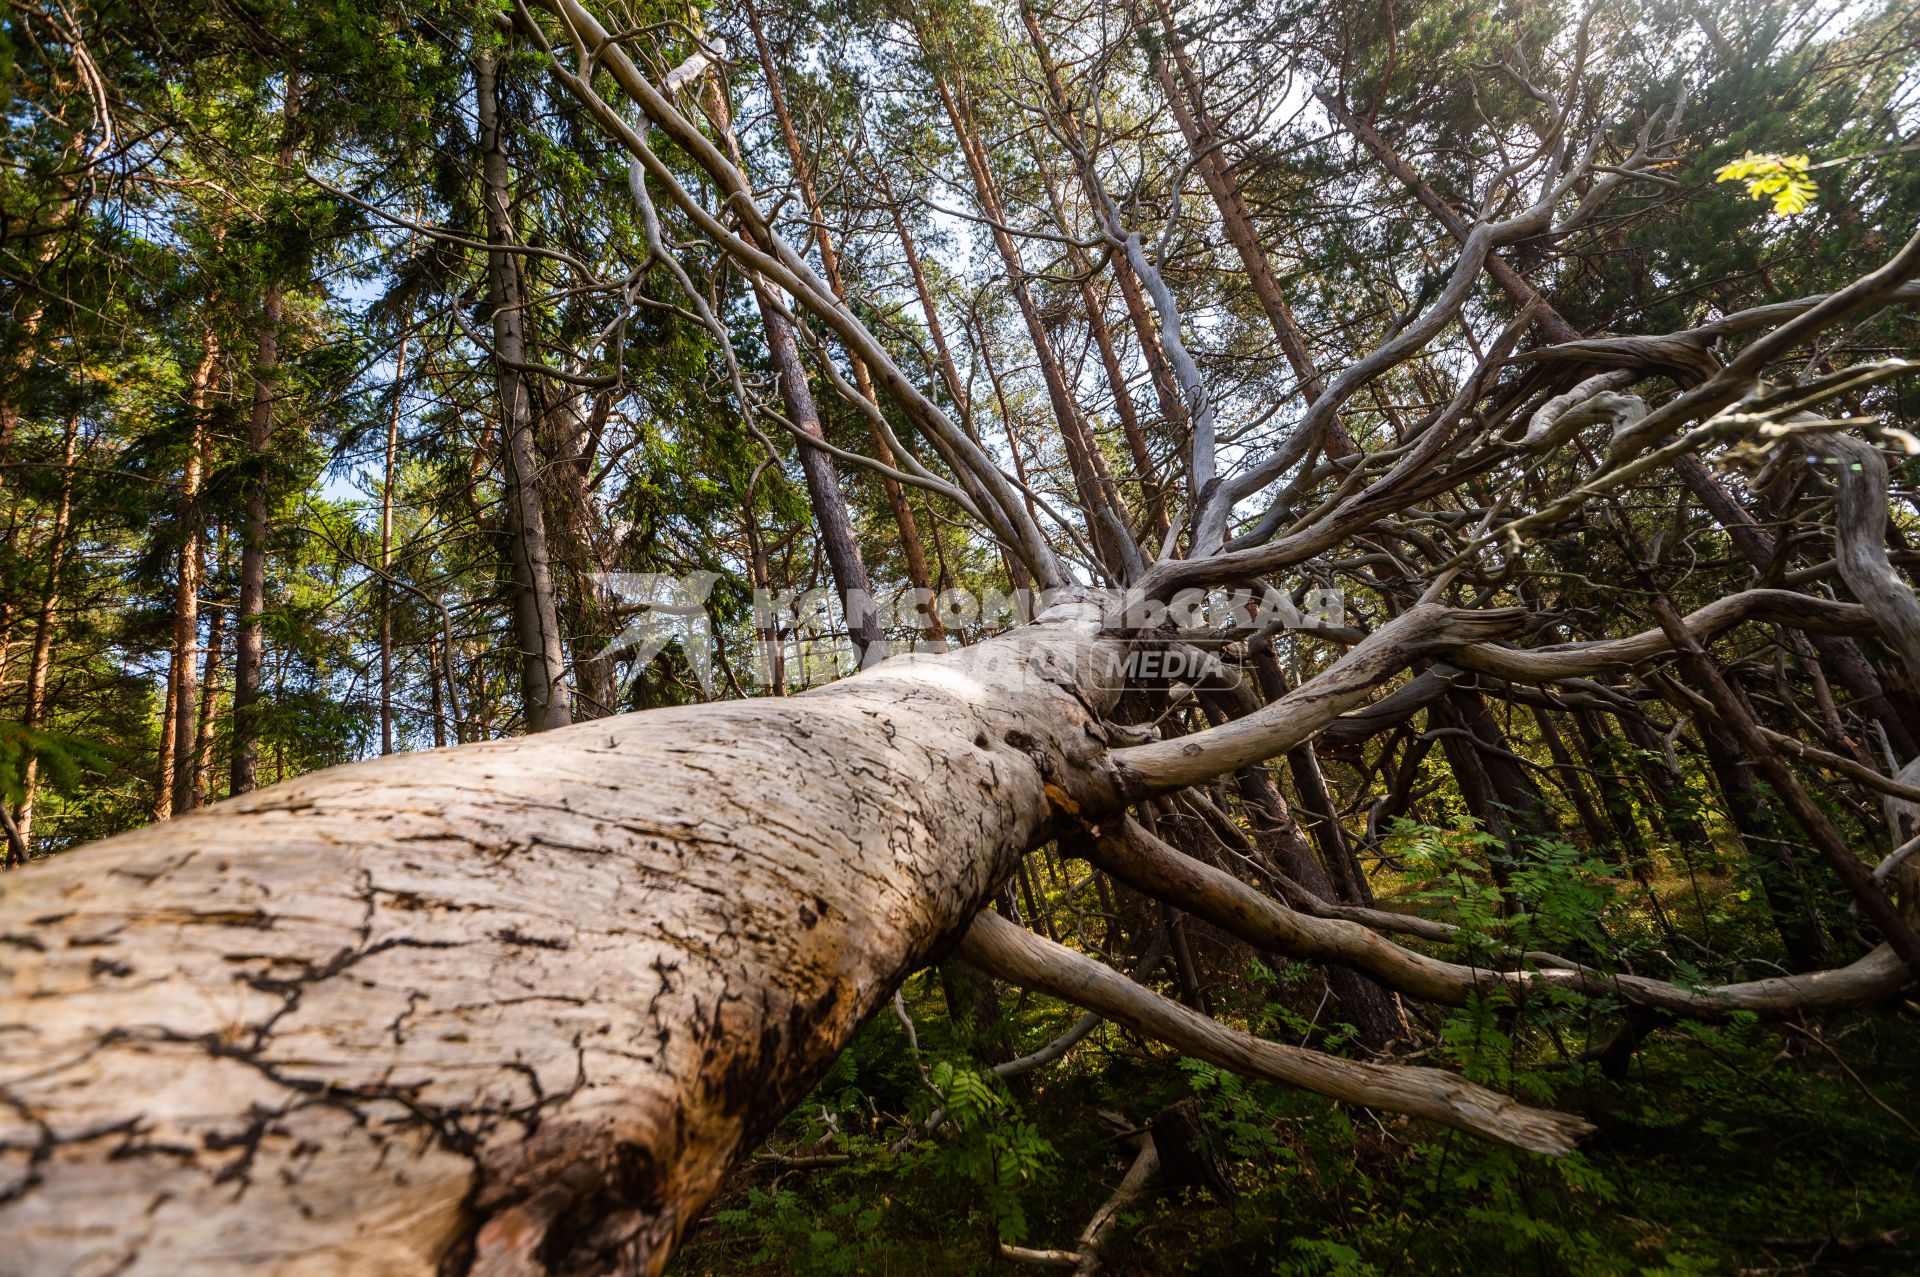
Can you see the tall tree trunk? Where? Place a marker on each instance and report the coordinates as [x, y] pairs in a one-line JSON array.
[[249, 650], [911, 547], [1368, 1006], [391, 461], [1095, 310], [1665, 785], [8, 611], [200, 770], [250, 639], [1524, 809], [1067, 121], [1188, 103], [435, 690], [772, 655], [1017, 577], [1769, 844], [250, 644], [176, 724], [1099, 497], [581, 552], [1303, 764], [40, 660], [835, 525], [543, 665], [1614, 796], [1570, 776], [1172, 405], [943, 354], [1324, 824], [1496, 787], [837, 537]]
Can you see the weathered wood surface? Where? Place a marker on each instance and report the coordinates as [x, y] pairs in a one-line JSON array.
[[510, 1007]]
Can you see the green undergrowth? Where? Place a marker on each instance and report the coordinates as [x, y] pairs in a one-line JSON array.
[[1736, 1148], [1730, 1149]]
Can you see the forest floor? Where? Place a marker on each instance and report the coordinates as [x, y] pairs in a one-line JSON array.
[[1732, 1149]]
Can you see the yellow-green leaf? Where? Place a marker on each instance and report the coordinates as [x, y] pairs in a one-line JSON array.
[[1781, 178]]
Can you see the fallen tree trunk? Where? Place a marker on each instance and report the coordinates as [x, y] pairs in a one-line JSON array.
[[513, 1007], [517, 1007]]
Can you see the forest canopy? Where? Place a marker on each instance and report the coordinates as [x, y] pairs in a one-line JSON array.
[[799, 637]]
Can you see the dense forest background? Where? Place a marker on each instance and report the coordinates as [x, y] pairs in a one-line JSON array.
[[356, 398]]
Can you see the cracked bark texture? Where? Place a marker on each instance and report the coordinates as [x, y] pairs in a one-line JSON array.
[[512, 1007]]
